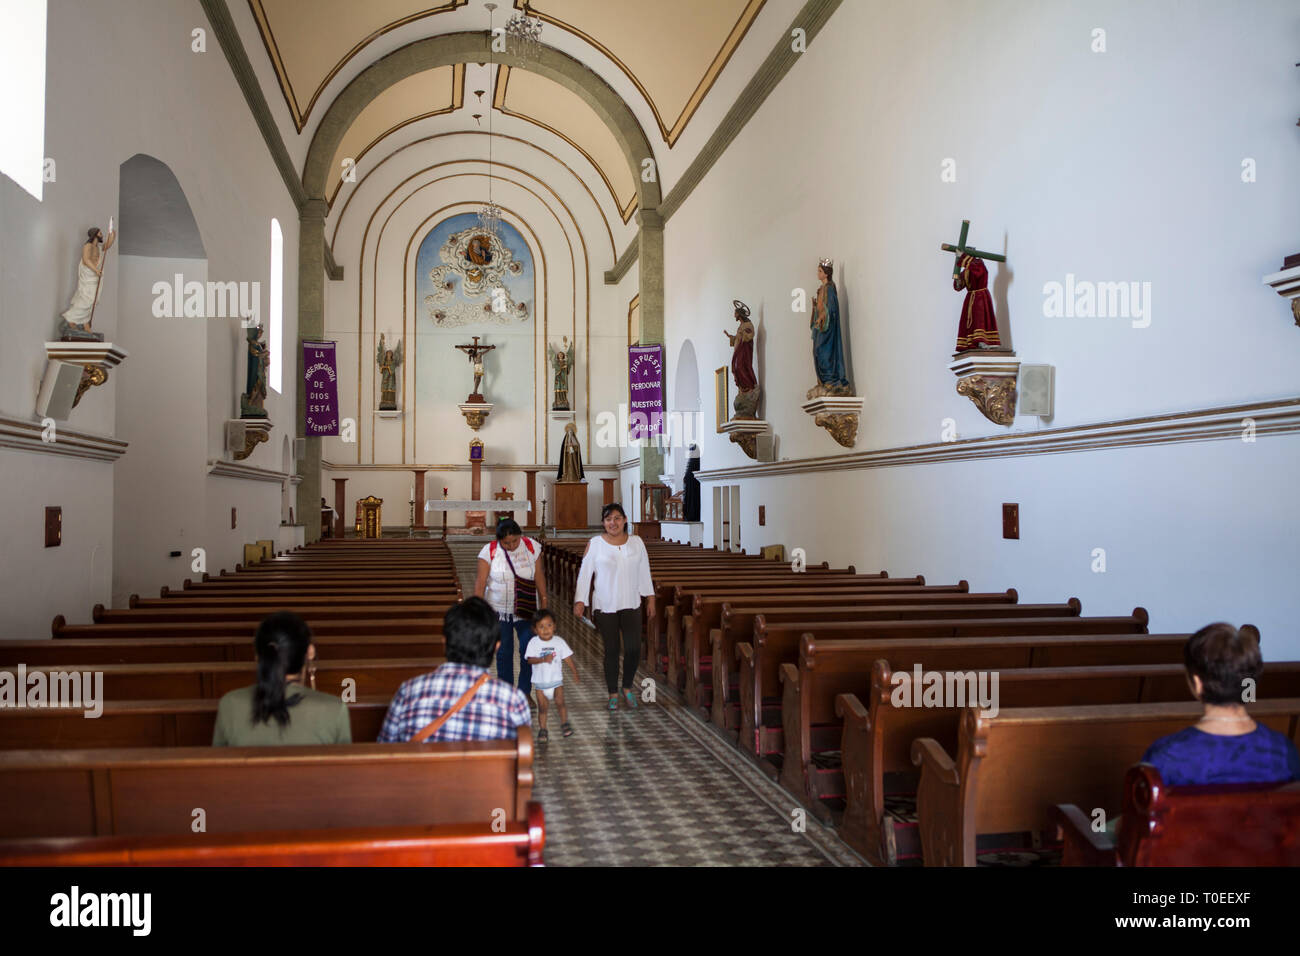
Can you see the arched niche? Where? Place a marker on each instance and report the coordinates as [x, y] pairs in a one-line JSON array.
[[685, 411], [162, 405]]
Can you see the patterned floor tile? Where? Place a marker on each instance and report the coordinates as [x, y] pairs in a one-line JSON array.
[[655, 786]]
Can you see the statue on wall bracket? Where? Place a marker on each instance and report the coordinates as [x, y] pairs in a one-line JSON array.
[[745, 427], [390, 360], [978, 328], [831, 401], [986, 371], [562, 360], [252, 402], [742, 363], [74, 325]]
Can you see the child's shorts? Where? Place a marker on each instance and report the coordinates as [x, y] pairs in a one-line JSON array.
[[548, 689]]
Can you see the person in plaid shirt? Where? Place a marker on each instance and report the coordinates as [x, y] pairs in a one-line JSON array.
[[493, 713]]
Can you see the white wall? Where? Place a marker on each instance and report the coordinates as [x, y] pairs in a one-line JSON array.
[[1115, 166], [121, 80]]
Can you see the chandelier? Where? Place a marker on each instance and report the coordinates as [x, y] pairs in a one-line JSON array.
[[489, 215], [525, 34]]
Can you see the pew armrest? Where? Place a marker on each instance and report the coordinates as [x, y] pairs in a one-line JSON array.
[[939, 807], [929, 755], [850, 709], [790, 675], [745, 652], [1083, 845]]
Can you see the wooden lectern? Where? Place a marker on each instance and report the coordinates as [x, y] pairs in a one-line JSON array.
[[570, 505]]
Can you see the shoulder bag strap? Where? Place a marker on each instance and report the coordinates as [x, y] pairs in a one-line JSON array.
[[465, 698]]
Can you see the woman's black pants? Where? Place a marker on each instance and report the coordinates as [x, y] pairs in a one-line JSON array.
[[628, 622]]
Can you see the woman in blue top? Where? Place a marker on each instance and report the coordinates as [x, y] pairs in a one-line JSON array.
[[1225, 745]]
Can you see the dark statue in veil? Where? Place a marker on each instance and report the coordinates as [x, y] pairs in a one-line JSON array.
[[691, 487]]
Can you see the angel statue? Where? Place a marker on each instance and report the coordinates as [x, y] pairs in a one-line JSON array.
[[389, 361], [562, 359], [75, 323]]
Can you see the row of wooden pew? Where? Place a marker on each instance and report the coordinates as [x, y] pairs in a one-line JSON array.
[[141, 784], [800, 670]]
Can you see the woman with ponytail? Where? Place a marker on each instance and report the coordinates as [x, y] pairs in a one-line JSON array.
[[1225, 746], [278, 709]]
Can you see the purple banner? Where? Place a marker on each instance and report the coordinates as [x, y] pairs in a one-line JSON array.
[[322, 389], [645, 376]]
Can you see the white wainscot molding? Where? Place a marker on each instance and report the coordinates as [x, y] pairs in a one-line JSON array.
[[27, 435]]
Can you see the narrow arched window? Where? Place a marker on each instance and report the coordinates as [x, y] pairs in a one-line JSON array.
[[22, 77], [276, 342]]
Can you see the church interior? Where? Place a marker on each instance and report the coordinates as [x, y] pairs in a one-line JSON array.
[[303, 304]]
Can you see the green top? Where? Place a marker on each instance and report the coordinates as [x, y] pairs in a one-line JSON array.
[[316, 719]]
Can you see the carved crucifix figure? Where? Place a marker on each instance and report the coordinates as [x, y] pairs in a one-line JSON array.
[[475, 353], [979, 326]]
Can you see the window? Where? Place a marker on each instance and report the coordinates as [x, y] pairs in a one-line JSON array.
[[22, 77], [276, 342]]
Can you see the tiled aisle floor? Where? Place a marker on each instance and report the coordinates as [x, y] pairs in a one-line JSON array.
[[654, 786]]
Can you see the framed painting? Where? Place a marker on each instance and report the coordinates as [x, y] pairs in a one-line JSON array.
[[720, 397]]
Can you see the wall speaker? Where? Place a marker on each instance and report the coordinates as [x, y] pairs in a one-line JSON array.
[[234, 437], [1035, 389], [765, 447], [58, 390], [299, 449]]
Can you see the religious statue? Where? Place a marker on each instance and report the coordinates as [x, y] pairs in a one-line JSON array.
[[475, 353], [828, 350], [563, 362], [691, 486], [74, 326], [742, 363], [570, 456], [978, 328], [252, 402], [389, 361]]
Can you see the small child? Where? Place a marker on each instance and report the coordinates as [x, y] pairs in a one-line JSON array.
[[546, 653]]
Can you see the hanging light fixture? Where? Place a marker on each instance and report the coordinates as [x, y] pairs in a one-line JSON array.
[[525, 34], [489, 216]]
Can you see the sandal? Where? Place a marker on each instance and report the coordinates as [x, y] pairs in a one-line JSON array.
[[567, 729], [542, 736], [613, 703], [630, 698]]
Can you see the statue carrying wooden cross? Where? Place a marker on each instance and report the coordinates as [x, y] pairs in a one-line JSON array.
[[475, 353], [979, 326]]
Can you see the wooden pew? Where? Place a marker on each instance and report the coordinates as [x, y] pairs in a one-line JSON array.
[[373, 678], [1010, 770], [352, 626], [710, 656], [875, 737], [83, 652], [689, 634], [154, 791], [777, 644], [250, 615], [146, 723], [1222, 825], [457, 844]]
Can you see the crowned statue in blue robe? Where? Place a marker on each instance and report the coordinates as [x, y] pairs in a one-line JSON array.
[[828, 349]]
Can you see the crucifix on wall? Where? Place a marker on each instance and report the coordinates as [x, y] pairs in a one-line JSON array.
[[476, 353]]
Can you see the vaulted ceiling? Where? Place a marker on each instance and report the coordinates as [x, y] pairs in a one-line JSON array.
[[662, 56]]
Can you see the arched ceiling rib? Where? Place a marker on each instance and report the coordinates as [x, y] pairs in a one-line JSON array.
[[671, 50]]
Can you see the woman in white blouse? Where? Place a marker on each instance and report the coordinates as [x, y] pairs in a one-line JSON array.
[[500, 560], [622, 570]]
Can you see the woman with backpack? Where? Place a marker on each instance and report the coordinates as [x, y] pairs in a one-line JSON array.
[[510, 578]]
